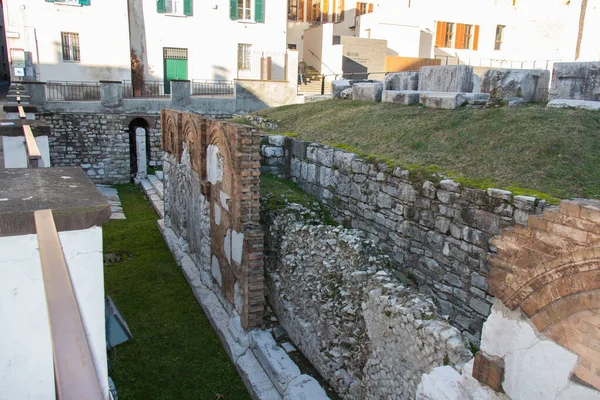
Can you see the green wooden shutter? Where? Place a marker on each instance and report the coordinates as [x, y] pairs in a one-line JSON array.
[[160, 6], [187, 8], [84, 2], [50, 1], [259, 12], [233, 11]]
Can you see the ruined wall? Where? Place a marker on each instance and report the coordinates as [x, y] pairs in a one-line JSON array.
[[367, 333], [542, 337], [211, 174], [98, 143], [437, 234]]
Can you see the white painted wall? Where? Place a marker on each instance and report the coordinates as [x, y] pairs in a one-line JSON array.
[[403, 39], [15, 151], [210, 36], [103, 37], [26, 363]]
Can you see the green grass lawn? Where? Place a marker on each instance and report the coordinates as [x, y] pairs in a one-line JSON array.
[[553, 151], [174, 354]]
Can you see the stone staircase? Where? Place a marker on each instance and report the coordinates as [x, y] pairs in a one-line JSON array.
[[153, 186], [313, 80]]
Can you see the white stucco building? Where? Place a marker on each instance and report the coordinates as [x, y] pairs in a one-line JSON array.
[[91, 40], [75, 40], [472, 31], [222, 39]]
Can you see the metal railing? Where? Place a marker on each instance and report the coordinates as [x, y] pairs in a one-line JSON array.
[[73, 91], [150, 89], [496, 62], [33, 152], [206, 87], [75, 375]]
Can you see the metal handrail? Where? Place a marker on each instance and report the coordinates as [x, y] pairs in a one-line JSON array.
[[33, 152], [317, 57], [75, 376]]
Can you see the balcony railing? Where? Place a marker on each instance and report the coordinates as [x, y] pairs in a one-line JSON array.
[[75, 376], [73, 91], [208, 87]]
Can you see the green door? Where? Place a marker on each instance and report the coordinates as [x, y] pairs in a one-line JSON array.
[[175, 69]]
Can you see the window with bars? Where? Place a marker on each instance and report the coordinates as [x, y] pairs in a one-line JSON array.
[[70, 46], [244, 57], [175, 53]]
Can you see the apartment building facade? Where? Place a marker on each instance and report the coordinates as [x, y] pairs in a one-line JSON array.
[[218, 40], [519, 30], [75, 40], [92, 40]]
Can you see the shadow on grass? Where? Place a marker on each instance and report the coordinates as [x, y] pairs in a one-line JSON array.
[[174, 354]]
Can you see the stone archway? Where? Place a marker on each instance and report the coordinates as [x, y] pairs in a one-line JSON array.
[[551, 270]]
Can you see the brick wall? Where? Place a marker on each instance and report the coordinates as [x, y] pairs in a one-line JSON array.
[[438, 235], [550, 268], [217, 163]]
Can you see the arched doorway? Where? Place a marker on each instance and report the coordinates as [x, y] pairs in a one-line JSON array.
[[133, 126]]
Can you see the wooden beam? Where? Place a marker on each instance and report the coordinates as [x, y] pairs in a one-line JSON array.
[[74, 371], [33, 151], [22, 114]]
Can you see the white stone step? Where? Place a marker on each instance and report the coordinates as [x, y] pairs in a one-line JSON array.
[[156, 201], [157, 185]]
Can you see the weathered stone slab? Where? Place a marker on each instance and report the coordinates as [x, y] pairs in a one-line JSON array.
[[346, 94], [446, 78], [448, 101], [406, 97], [401, 81], [337, 87], [576, 81], [529, 84], [367, 91], [580, 104], [278, 365], [305, 387]]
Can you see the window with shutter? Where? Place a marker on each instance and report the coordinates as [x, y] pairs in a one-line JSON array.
[[259, 11], [440, 34], [309, 10], [175, 7], [340, 14], [301, 11], [499, 37], [476, 37]]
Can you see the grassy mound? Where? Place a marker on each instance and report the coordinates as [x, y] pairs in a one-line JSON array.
[[530, 150]]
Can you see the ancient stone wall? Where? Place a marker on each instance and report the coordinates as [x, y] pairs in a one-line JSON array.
[[98, 143], [211, 174], [438, 234], [368, 334]]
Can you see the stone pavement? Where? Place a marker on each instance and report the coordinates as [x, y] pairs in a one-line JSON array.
[[116, 211]]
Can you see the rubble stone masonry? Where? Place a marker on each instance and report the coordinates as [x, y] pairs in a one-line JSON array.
[[437, 234]]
